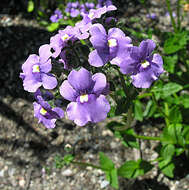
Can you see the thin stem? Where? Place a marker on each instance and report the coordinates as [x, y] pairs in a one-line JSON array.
[[178, 15], [85, 164], [147, 137], [160, 110], [171, 15], [123, 84]]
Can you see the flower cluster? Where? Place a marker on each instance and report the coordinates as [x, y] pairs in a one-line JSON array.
[[56, 16], [86, 91], [75, 8]]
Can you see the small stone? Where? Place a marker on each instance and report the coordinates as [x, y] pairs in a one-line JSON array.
[[67, 173], [22, 182], [104, 184], [107, 133], [2, 173]]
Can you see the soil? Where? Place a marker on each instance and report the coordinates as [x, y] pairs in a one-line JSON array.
[[28, 149]]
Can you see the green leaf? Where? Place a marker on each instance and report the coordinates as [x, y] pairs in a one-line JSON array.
[[168, 89], [52, 27], [175, 115], [150, 109], [133, 169], [170, 62], [167, 168], [68, 158], [105, 162], [114, 179], [30, 6], [138, 112], [184, 100], [168, 151], [173, 135], [128, 138], [176, 42]]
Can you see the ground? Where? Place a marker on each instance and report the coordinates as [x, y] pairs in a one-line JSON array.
[[27, 149]]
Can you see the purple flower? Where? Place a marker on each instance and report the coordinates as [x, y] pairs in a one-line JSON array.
[[59, 41], [45, 95], [93, 14], [143, 66], [56, 16], [87, 95], [107, 46], [152, 16], [90, 5], [36, 71], [102, 3], [45, 113], [73, 9], [167, 14]]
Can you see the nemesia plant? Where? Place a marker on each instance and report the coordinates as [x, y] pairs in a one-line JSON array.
[[80, 65]]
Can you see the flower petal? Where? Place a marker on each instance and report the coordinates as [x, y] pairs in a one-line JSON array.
[[94, 111], [49, 81], [59, 111], [46, 66], [81, 80], [67, 91], [144, 78], [45, 53], [31, 85], [32, 60], [98, 60], [146, 48], [100, 83]]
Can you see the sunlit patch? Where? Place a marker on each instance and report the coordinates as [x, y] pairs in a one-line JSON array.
[[84, 98], [112, 42], [35, 69], [145, 64], [90, 15], [43, 111], [65, 37]]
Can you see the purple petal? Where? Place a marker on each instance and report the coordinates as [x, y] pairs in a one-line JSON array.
[[46, 67], [81, 80], [94, 111], [31, 85], [49, 123], [67, 91], [49, 81], [144, 79], [59, 111], [116, 33], [146, 48], [57, 44], [98, 37], [159, 61], [32, 60], [128, 66], [45, 53], [97, 60], [100, 83]]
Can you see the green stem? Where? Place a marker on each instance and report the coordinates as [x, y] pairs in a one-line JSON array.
[[85, 164], [147, 137], [171, 15], [160, 110], [178, 15], [123, 84]]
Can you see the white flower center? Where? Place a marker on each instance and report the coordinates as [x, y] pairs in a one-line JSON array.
[[145, 64], [65, 37], [84, 98], [112, 42], [35, 69], [43, 111], [90, 15]]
